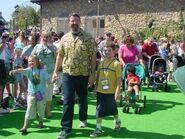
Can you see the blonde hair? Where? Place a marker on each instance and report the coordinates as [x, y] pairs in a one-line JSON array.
[[45, 33], [39, 64], [22, 36]]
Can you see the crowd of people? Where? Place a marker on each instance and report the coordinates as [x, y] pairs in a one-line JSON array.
[[34, 68]]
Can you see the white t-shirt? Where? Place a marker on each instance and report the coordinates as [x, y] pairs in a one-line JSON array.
[[57, 43]]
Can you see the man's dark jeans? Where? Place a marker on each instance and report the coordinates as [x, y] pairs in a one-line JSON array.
[[72, 85]]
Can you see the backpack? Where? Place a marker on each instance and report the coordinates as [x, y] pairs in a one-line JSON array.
[[2, 72], [180, 62]]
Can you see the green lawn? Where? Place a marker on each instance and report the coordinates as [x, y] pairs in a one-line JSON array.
[[163, 118]]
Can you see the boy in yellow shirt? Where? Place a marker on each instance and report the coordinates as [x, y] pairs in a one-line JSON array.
[[108, 82]]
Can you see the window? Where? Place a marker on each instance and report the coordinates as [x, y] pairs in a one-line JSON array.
[[94, 23], [102, 23]]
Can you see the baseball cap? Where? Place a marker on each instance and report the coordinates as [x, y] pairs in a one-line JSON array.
[[108, 34], [5, 34]]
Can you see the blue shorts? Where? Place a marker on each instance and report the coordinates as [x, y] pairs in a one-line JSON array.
[[106, 105], [18, 77]]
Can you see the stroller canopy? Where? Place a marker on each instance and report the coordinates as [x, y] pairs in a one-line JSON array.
[[140, 71]]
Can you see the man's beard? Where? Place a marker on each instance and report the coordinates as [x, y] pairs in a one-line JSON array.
[[75, 29]]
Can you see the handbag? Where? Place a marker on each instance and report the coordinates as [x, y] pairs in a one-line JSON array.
[[38, 96]]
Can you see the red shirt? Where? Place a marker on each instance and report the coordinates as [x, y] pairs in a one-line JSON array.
[[150, 50], [133, 77]]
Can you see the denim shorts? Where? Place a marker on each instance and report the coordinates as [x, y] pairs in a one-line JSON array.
[[106, 105]]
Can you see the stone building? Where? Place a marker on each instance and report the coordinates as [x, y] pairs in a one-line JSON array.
[[116, 16]]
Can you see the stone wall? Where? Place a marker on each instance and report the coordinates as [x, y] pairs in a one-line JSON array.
[[134, 22], [132, 14]]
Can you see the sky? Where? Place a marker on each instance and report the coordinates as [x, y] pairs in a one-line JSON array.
[[7, 7]]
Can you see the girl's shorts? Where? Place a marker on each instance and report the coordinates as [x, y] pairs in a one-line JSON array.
[[34, 107], [106, 105]]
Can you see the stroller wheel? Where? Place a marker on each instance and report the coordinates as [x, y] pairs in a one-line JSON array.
[[148, 85], [156, 89], [121, 101], [144, 102], [137, 110], [153, 89], [127, 109], [167, 88], [124, 109]]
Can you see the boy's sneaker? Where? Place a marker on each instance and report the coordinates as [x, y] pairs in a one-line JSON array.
[[117, 125], [137, 97], [16, 106], [96, 133], [83, 124], [4, 111], [56, 92], [63, 135]]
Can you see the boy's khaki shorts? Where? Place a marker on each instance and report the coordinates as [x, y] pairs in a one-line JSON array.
[[49, 92]]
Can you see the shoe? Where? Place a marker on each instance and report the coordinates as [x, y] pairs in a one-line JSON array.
[[117, 125], [40, 125], [23, 130], [16, 106], [63, 135], [137, 97], [49, 115], [56, 92], [53, 96], [4, 111], [96, 133], [83, 124], [60, 102]]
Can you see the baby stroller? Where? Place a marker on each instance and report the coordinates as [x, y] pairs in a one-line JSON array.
[[159, 78], [128, 102], [150, 65]]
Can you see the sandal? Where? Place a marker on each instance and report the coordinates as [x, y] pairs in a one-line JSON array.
[[23, 130]]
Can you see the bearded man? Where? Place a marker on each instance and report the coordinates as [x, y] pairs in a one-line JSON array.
[[77, 54]]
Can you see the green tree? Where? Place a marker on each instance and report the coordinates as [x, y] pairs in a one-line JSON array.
[[25, 16]]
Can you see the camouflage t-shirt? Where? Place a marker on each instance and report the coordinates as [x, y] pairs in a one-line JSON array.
[[77, 53]]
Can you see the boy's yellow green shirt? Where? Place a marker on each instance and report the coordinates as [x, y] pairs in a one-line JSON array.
[[111, 70]]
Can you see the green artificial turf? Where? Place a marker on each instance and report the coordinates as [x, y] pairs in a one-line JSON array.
[[163, 118]]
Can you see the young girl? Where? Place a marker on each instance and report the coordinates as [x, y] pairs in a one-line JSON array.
[[37, 77], [18, 63]]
